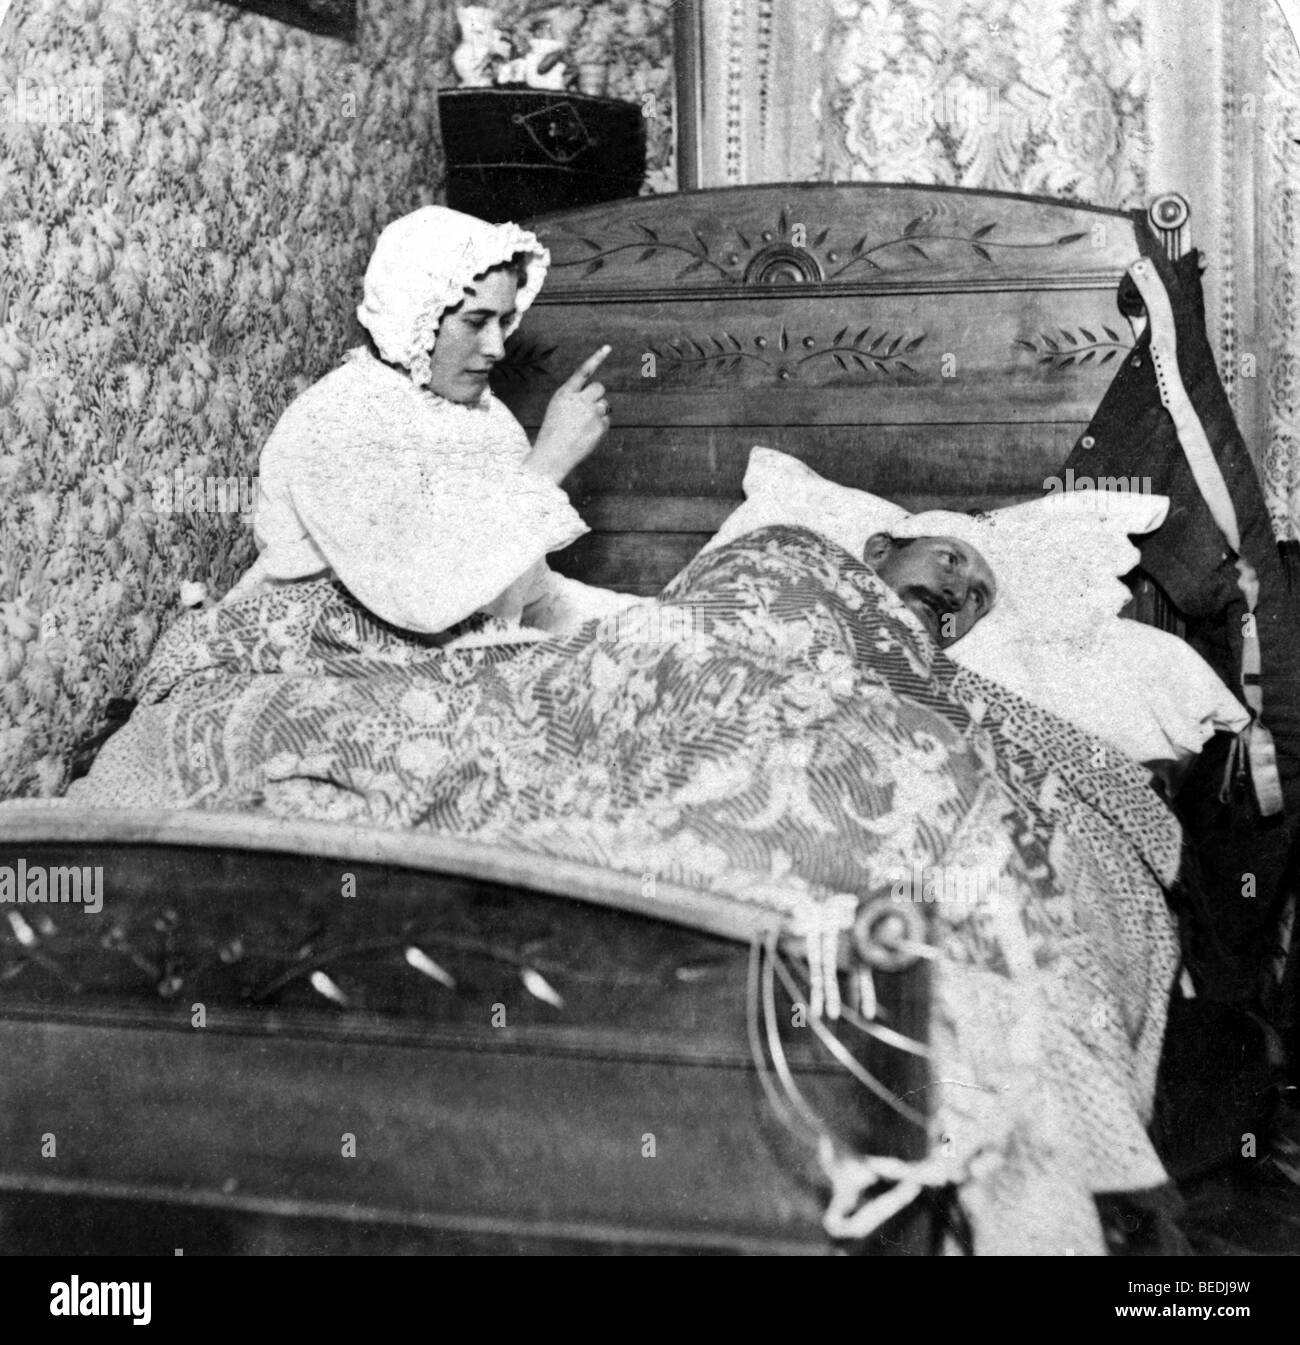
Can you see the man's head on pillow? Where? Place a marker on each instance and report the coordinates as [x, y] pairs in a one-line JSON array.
[[940, 577]]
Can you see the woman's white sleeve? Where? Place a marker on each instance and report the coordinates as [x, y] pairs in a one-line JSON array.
[[426, 542], [559, 605]]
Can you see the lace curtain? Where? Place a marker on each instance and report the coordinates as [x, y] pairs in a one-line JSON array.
[[760, 87], [994, 93], [1278, 166], [1105, 101]]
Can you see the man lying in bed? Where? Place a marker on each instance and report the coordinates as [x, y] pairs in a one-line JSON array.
[[781, 749]]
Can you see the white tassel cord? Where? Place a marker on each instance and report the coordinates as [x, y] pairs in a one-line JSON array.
[[806, 1129], [774, 1046], [851, 1176], [821, 925], [845, 1057], [846, 1218]]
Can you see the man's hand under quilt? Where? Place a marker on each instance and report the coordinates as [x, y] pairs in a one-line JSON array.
[[776, 730]]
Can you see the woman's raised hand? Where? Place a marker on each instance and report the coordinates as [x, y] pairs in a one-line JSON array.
[[575, 421]]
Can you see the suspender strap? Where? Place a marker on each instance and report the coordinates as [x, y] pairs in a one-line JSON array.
[[1254, 750]]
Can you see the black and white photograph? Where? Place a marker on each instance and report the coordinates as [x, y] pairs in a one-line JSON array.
[[650, 628]]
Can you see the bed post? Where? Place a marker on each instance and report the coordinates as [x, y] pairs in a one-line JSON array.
[[688, 56], [1170, 218]]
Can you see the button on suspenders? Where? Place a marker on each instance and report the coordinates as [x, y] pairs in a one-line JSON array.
[[1253, 751]]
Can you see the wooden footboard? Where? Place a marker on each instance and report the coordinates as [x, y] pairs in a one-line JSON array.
[[237, 1051]]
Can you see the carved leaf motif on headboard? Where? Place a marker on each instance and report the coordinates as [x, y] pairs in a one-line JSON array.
[[786, 356], [1080, 345], [787, 252], [523, 359]]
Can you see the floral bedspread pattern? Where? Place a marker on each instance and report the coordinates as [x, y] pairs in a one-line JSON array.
[[776, 731]]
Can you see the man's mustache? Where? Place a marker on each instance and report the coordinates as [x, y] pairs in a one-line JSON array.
[[942, 603]]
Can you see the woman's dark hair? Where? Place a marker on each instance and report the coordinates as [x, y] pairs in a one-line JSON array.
[[516, 265]]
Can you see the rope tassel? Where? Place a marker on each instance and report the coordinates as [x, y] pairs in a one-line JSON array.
[[847, 1217], [851, 1177]]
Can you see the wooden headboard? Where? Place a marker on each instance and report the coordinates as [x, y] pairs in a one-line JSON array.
[[937, 346]]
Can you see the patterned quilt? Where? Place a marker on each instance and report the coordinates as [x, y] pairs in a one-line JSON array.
[[777, 732]]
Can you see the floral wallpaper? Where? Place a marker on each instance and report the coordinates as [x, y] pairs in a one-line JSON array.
[[188, 197], [999, 94]]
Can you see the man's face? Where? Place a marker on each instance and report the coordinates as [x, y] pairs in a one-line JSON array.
[[947, 583], [471, 340]]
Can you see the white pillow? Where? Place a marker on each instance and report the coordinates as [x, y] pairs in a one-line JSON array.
[[781, 489], [1141, 689], [1054, 635], [1062, 557], [1063, 554]]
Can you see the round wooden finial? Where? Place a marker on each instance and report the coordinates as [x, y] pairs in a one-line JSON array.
[[1169, 211]]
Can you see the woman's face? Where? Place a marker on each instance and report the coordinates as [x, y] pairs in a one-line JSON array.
[[472, 339]]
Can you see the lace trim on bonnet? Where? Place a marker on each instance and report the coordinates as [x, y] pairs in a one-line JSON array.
[[422, 265]]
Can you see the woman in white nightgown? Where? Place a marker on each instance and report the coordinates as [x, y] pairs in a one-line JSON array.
[[403, 477]]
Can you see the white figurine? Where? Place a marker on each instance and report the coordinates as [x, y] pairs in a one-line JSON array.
[[481, 40], [511, 72], [544, 51]]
